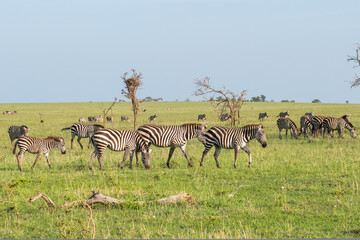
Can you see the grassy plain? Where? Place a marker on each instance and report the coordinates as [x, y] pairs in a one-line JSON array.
[[306, 188]]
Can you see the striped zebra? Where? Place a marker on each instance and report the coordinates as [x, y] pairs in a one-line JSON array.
[[305, 125], [287, 123], [331, 124], [119, 140], [263, 116], [39, 146], [171, 136], [17, 131], [232, 138], [317, 123], [152, 118], [201, 117], [283, 114], [82, 131]]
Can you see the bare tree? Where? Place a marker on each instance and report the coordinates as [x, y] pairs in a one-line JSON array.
[[227, 100], [131, 86], [355, 59], [106, 111]]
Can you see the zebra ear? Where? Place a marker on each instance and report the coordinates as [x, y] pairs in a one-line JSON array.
[[150, 150]]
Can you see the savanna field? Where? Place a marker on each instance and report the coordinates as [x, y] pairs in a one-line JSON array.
[[305, 188]]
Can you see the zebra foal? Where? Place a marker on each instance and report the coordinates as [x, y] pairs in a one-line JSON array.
[[287, 123], [232, 138], [82, 131], [119, 140], [171, 136], [39, 146]]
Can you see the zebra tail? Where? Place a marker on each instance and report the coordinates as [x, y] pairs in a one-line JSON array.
[[68, 128], [13, 151]]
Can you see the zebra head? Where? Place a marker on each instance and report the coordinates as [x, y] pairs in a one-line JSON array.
[[60, 143], [145, 156], [261, 136], [352, 131], [25, 130]]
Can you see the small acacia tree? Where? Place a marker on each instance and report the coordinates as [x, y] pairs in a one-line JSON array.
[[131, 86], [355, 59], [106, 111], [226, 100]]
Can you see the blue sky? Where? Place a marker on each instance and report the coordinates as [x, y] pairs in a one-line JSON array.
[[76, 51]]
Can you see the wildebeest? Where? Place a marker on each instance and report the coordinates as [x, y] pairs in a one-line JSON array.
[[224, 116], [201, 117], [17, 131], [82, 120], [110, 119], [152, 118], [262, 116], [125, 118], [283, 114], [39, 146]]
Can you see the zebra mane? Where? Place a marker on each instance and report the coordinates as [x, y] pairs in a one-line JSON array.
[[98, 125], [345, 117], [56, 138], [192, 124], [23, 126]]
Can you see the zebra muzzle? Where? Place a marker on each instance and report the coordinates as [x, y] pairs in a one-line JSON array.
[[264, 144]]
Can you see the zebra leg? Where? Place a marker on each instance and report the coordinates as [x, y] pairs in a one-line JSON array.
[[72, 139], [183, 149], [137, 158], [126, 153], [79, 138], [36, 159], [47, 159], [236, 150], [286, 132], [93, 155], [206, 150], [246, 149], [172, 148], [90, 143], [19, 158], [280, 130], [99, 160], [131, 158], [216, 155]]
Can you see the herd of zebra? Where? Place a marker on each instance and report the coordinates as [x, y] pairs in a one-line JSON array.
[[132, 142]]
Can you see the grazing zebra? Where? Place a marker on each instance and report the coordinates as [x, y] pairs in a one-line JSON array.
[[331, 124], [201, 117], [283, 114], [305, 125], [119, 140], [316, 122], [171, 136], [144, 110], [287, 123], [39, 146], [125, 118], [99, 118], [17, 131], [110, 119], [9, 112], [82, 131], [82, 120], [232, 138], [91, 119], [224, 116], [262, 116], [152, 118]]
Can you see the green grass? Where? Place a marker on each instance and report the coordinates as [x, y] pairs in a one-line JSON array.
[[306, 188]]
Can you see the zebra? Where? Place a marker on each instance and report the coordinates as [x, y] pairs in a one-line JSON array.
[[316, 122], [283, 114], [224, 116], [331, 124], [17, 131], [119, 140], [201, 117], [305, 125], [99, 118], [310, 114], [125, 118], [287, 123], [82, 131], [172, 136], [110, 119], [152, 118], [9, 112], [91, 119], [232, 138], [263, 116], [82, 120], [39, 146]]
